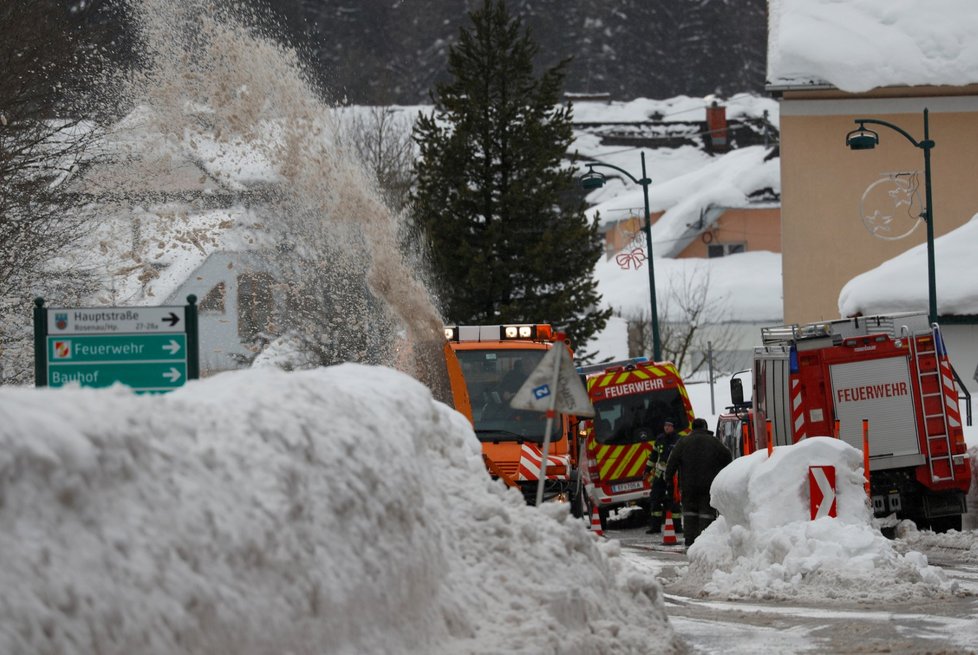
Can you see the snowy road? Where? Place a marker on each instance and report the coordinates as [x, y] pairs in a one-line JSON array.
[[836, 626]]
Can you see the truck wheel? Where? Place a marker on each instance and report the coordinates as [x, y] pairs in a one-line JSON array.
[[603, 515], [577, 501], [945, 523]]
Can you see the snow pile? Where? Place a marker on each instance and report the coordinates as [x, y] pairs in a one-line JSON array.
[[763, 545], [962, 544], [900, 284], [337, 510]]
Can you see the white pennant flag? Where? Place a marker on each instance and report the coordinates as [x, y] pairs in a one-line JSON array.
[[540, 393]]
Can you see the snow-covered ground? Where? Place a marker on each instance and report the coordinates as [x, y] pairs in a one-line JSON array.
[[342, 510], [336, 510]]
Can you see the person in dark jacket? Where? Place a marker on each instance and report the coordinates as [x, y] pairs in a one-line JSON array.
[[655, 468], [697, 457]]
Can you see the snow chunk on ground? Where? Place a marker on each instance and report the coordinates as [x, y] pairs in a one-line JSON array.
[[338, 510], [963, 544], [764, 544]]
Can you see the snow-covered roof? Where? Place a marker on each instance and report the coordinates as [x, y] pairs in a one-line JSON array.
[[679, 108], [688, 184], [724, 182], [858, 45]]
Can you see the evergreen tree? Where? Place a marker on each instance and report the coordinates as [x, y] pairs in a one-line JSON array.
[[508, 238]]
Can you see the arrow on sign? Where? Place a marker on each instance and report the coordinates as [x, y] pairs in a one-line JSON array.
[[172, 319], [823, 493], [172, 375], [173, 347]]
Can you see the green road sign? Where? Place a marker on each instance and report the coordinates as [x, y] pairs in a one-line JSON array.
[[141, 376], [150, 349], [145, 362], [75, 349]]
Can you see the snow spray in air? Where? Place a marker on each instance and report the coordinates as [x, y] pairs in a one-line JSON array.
[[211, 81]]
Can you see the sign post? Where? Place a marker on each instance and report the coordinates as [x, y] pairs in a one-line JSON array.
[[553, 387], [150, 349]]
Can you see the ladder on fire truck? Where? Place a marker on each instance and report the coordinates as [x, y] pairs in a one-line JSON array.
[[930, 384]]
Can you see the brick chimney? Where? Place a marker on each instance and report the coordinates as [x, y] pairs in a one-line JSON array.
[[716, 124]]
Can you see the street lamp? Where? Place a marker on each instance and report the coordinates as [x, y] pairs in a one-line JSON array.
[[593, 180], [863, 138]]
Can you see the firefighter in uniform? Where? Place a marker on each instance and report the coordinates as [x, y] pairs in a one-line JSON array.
[[655, 468], [698, 457]]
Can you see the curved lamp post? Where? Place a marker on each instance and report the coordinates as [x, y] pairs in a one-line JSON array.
[[593, 180], [863, 138]]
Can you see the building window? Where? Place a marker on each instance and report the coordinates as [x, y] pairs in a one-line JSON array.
[[255, 304], [213, 301], [724, 249]]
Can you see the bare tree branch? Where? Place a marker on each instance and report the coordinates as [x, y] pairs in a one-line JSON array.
[[44, 139], [381, 139], [691, 326]]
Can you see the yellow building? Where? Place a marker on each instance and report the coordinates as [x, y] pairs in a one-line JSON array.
[[844, 212]]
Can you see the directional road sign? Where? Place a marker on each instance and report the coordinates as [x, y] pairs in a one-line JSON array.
[[116, 320], [151, 349], [821, 487]]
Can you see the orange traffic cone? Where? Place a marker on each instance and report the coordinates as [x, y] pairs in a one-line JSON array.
[[669, 531], [596, 522]]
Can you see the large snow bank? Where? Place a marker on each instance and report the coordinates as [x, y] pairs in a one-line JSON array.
[[764, 544], [338, 510], [900, 284]]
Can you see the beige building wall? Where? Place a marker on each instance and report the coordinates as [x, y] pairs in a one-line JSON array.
[[824, 240]]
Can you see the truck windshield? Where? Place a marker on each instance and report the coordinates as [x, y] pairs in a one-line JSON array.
[[493, 377], [637, 417]]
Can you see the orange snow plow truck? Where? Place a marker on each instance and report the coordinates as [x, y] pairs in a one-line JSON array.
[[495, 362], [893, 372], [632, 400]]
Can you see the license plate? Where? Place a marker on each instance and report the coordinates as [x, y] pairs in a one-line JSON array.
[[626, 486]]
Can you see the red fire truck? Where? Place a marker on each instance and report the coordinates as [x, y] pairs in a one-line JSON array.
[[632, 400], [892, 371]]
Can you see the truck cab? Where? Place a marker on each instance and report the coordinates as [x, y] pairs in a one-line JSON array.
[[735, 425], [632, 400], [495, 361]]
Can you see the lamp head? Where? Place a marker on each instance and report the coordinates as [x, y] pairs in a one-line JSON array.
[[592, 180], [862, 138]]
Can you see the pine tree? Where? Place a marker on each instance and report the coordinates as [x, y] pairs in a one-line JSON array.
[[508, 238]]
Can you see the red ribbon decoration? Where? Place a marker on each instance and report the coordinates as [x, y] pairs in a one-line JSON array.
[[635, 256]]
